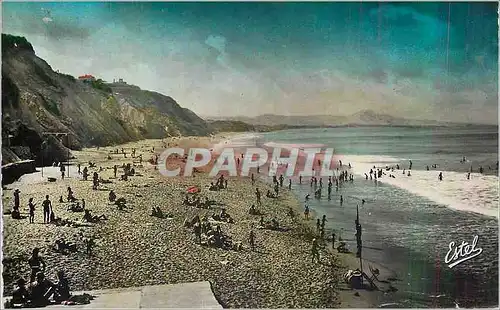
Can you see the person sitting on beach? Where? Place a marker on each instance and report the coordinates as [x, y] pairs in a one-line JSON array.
[[75, 208], [62, 169], [112, 196], [154, 212], [270, 195], [61, 200], [223, 214], [20, 295], [212, 187], [62, 291], [87, 217], [62, 246], [53, 219], [121, 203], [197, 202], [207, 203], [261, 222], [342, 247], [252, 210], [257, 194], [41, 290], [251, 240]]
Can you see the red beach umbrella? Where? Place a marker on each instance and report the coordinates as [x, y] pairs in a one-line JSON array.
[[192, 190]]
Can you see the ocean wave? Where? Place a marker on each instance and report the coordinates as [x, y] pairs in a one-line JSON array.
[[478, 195]]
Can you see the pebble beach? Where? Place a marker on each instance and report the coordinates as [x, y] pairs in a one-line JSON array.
[[135, 249]]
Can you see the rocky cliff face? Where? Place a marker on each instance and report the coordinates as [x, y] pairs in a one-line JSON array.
[[35, 99]]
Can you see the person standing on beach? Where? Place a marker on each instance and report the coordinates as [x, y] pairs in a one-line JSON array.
[[85, 173], [440, 177], [95, 179], [197, 231], [253, 180], [323, 221], [290, 184], [468, 175], [315, 250], [79, 168], [62, 169], [115, 169], [37, 264], [318, 226], [341, 200], [17, 200], [411, 164], [333, 240], [47, 209], [251, 240], [257, 195], [306, 212], [31, 207], [300, 179], [281, 180]]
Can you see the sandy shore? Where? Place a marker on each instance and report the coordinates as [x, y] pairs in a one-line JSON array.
[[135, 249]]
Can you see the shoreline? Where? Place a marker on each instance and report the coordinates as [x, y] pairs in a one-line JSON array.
[[239, 279], [434, 292]]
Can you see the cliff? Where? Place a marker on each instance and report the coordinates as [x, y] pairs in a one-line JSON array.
[[35, 99]]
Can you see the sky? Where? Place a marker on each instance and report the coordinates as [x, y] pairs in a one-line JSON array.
[[427, 60]]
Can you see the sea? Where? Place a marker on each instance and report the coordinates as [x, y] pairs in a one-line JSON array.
[[409, 221]]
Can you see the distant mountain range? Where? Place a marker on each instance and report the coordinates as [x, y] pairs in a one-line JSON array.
[[361, 118]]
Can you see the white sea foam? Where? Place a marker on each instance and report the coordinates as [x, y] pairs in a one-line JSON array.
[[479, 194], [242, 140]]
